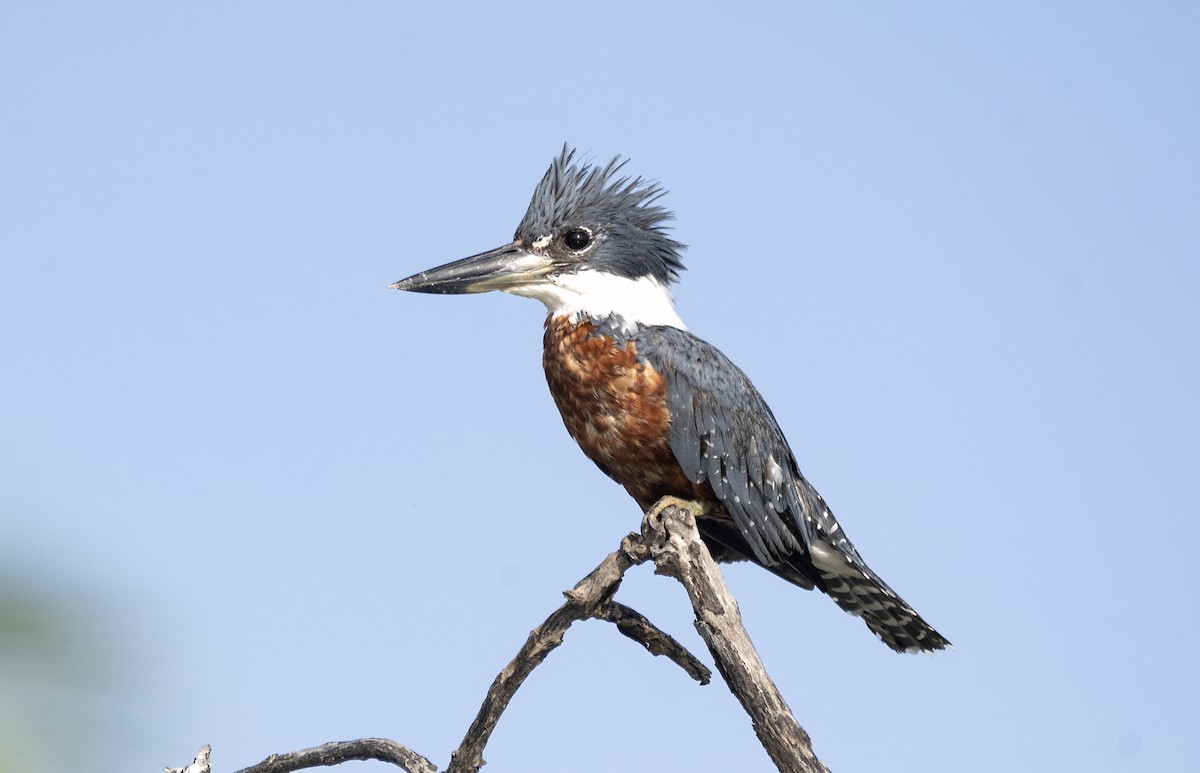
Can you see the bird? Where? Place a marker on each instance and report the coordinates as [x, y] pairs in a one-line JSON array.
[[658, 409]]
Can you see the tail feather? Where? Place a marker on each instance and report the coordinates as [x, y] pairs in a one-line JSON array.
[[862, 593], [843, 576]]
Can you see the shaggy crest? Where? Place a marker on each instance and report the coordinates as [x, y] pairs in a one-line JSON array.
[[577, 194]]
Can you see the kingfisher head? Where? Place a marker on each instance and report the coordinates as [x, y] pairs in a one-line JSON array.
[[593, 243]]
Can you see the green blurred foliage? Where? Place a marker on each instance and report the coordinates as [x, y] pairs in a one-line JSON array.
[[58, 672]]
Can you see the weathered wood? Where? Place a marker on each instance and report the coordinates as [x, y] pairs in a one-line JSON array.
[[670, 539], [590, 598], [338, 752], [675, 545]]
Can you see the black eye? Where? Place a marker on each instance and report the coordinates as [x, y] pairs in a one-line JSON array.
[[577, 239]]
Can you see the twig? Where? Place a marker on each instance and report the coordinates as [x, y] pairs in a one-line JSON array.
[[338, 752], [199, 765], [590, 598], [631, 623]]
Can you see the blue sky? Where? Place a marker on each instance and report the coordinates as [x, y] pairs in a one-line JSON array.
[[955, 245]]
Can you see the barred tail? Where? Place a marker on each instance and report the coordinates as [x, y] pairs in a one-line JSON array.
[[862, 593]]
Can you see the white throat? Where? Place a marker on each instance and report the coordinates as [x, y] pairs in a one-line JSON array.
[[597, 294]]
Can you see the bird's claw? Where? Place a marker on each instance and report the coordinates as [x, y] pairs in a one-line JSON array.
[[653, 519]]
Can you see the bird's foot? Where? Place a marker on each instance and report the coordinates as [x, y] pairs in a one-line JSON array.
[[654, 515]]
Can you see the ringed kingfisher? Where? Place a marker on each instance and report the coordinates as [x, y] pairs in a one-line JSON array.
[[660, 411]]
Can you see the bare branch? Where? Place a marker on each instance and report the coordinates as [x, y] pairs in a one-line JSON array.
[[669, 531], [631, 623], [338, 752], [669, 538], [590, 598], [199, 765]]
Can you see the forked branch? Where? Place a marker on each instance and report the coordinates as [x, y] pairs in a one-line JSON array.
[[669, 538], [590, 598], [673, 541]]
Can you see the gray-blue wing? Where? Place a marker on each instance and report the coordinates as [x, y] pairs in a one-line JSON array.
[[724, 434]]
